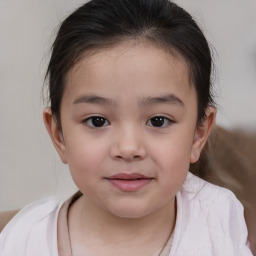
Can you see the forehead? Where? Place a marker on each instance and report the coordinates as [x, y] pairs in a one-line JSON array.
[[129, 65]]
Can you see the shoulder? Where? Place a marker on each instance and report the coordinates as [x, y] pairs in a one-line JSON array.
[[36, 222], [210, 220], [5, 217], [34, 213], [211, 202], [196, 189]]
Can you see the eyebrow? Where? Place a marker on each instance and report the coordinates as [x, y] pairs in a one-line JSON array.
[[93, 99], [170, 99]]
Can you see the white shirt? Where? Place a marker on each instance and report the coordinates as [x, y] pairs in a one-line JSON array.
[[210, 222]]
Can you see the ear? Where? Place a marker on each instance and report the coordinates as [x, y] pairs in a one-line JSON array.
[[55, 134], [202, 133]]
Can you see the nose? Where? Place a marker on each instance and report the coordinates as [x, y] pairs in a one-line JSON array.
[[128, 145]]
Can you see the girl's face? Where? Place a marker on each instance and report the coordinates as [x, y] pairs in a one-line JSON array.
[[129, 132]]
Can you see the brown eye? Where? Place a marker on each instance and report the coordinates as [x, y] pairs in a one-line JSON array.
[[97, 121], [159, 121]]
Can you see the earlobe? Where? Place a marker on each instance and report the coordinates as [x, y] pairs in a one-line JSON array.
[[202, 133], [55, 134]]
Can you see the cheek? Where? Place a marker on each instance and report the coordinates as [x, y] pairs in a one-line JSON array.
[[85, 156], [174, 151], [85, 165], [173, 160]]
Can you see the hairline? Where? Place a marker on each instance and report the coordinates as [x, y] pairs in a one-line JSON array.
[[116, 41]]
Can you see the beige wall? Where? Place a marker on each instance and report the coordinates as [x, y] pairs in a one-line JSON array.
[[29, 167]]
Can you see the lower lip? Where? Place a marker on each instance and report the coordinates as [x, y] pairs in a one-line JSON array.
[[129, 185]]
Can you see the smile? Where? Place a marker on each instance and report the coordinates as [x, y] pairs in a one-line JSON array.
[[129, 182]]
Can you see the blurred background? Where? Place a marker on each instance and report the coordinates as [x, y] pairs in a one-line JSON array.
[[29, 166]]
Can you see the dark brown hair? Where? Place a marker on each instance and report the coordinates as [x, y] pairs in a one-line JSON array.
[[105, 23]]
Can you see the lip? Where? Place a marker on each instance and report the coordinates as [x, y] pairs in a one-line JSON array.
[[129, 182]]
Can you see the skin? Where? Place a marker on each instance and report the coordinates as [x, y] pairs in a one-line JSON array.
[[106, 219]]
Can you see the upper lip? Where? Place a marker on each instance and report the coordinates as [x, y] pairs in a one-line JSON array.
[[128, 176]]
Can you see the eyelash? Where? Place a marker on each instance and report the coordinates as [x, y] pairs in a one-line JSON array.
[[89, 121], [163, 120]]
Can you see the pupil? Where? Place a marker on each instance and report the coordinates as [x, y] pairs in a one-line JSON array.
[[157, 121], [98, 121]]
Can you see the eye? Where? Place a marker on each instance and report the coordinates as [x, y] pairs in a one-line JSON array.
[[96, 121], [159, 121]]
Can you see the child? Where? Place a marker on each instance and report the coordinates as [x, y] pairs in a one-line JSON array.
[[131, 109]]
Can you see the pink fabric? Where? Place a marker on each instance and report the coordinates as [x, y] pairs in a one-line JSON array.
[[209, 222]]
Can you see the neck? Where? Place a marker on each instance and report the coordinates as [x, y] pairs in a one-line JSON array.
[[87, 221]]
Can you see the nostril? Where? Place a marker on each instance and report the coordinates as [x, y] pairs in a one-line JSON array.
[[129, 158], [128, 150]]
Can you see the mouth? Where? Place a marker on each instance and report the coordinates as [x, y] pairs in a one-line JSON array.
[[129, 182]]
